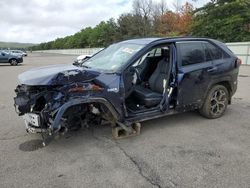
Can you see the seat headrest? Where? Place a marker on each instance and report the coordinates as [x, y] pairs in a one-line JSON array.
[[165, 52]]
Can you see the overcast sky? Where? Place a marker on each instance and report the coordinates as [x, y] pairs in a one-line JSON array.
[[36, 21]]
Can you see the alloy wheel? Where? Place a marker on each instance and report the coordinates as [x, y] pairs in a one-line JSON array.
[[13, 62], [218, 102]]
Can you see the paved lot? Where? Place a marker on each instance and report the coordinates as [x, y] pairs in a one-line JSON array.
[[182, 150]]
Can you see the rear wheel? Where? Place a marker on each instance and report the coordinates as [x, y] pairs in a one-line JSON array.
[[215, 103], [13, 62]]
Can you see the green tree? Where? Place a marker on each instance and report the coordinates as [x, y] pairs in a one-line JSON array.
[[128, 26], [227, 20]]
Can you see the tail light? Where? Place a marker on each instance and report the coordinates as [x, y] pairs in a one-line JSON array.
[[238, 62]]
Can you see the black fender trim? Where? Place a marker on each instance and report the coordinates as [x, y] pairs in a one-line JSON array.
[[226, 79], [56, 123]]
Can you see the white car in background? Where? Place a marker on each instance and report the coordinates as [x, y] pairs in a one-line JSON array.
[[18, 52]]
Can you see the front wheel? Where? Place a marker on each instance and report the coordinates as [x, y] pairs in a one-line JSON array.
[[13, 62], [215, 103]]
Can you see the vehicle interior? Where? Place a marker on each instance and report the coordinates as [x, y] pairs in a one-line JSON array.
[[146, 79]]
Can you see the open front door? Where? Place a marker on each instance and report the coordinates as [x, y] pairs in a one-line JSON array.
[[150, 77]]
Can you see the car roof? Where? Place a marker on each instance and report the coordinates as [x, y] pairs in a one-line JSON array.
[[141, 40], [145, 41]]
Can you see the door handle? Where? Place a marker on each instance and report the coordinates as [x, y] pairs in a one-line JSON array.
[[211, 69]]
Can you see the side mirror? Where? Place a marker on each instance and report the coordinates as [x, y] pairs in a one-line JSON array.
[[3, 54]]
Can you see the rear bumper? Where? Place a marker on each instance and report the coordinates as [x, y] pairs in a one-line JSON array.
[[20, 60], [234, 87]]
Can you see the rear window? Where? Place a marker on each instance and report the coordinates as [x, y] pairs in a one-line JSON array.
[[213, 52], [191, 53]]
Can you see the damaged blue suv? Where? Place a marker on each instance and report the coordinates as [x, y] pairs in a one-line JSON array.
[[127, 83]]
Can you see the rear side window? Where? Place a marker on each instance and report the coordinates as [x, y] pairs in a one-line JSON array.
[[192, 53], [214, 53]]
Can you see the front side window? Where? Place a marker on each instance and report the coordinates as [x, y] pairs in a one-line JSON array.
[[114, 57], [191, 53]]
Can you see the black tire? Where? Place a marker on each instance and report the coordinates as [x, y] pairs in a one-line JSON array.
[[215, 103], [13, 62]]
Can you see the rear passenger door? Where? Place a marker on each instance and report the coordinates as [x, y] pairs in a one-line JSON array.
[[195, 69]]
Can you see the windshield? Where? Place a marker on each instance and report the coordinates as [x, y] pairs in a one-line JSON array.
[[113, 57]]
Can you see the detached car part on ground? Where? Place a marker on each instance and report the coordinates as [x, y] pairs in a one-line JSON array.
[[127, 83]]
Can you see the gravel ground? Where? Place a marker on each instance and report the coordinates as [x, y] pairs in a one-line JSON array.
[[183, 150]]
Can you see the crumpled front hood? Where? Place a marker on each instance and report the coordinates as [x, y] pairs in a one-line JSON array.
[[56, 75]]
